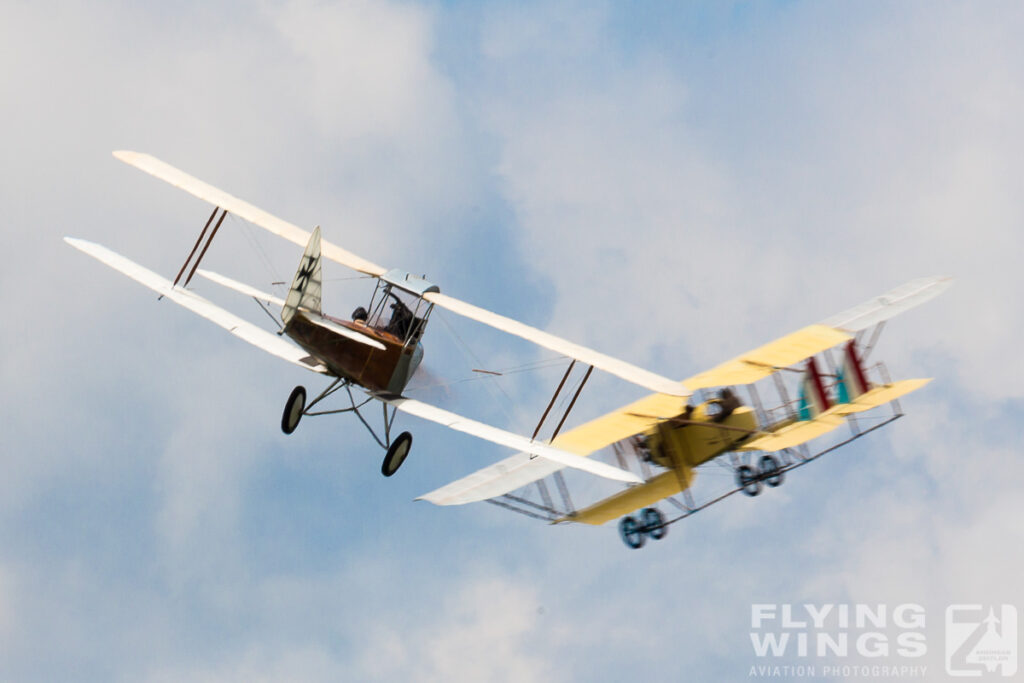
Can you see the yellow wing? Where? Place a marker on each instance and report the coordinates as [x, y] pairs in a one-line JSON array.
[[764, 360], [657, 488]]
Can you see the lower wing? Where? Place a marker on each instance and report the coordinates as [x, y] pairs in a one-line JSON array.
[[530, 448], [257, 336]]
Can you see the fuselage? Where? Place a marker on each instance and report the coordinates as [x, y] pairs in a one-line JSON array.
[[387, 370]]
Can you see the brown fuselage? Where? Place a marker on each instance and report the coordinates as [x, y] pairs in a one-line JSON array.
[[364, 365]]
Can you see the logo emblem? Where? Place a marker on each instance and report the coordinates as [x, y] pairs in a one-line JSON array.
[[981, 641]]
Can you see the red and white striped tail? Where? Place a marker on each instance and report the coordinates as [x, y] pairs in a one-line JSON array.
[[814, 399], [853, 379]]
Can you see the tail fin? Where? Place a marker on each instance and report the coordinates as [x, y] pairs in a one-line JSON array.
[[308, 282], [814, 399], [853, 382]]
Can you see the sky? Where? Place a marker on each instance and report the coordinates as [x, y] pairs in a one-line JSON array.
[[671, 184]]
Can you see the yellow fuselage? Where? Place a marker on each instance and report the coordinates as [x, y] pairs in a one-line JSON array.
[[673, 444]]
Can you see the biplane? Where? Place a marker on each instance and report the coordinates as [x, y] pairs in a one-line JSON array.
[[670, 439], [667, 436]]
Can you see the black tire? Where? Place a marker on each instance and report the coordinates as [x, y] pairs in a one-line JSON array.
[[748, 480], [632, 533], [293, 410], [771, 473], [654, 523], [398, 451]]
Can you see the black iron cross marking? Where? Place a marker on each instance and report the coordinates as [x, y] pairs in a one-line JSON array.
[[305, 272]]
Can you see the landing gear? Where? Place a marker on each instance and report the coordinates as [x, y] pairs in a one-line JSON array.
[[654, 523], [397, 452], [747, 479], [768, 472], [632, 533], [293, 410], [635, 532]]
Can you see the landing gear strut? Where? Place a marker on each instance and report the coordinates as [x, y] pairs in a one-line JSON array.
[[293, 410], [635, 532]]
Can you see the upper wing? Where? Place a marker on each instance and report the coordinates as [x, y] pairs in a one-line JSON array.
[[194, 186], [243, 209], [614, 366], [256, 336], [792, 348], [500, 436]]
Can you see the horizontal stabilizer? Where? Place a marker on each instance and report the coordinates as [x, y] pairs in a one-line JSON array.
[[500, 436], [257, 336], [879, 396], [225, 281], [329, 324]]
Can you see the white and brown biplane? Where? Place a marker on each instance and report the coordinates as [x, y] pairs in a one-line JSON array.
[[666, 437]]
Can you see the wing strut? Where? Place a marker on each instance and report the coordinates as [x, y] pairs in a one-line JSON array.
[[542, 487], [199, 241]]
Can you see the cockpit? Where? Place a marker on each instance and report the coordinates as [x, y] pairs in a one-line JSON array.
[[398, 307]]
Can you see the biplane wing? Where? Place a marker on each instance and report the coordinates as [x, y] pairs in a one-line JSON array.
[[293, 233], [277, 346], [531, 448], [793, 348], [257, 336], [243, 209], [518, 470], [658, 487]]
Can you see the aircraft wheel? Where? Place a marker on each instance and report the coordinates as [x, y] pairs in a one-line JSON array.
[[293, 410], [632, 533], [770, 471], [654, 523], [748, 480], [397, 452]]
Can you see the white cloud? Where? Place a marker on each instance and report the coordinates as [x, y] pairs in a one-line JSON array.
[[685, 199]]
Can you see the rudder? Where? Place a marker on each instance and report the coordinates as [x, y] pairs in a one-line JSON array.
[[308, 282]]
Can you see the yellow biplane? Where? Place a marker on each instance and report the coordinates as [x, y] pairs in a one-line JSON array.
[[668, 438]]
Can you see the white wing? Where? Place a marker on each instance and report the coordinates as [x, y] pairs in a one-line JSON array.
[[890, 304], [500, 436], [293, 233], [614, 366], [243, 209], [242, 329], [494, 480]]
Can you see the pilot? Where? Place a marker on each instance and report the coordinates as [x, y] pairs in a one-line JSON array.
[[401, 319]]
